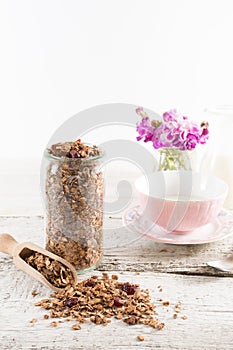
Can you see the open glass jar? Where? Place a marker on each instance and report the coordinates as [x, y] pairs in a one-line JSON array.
[[73, 198]]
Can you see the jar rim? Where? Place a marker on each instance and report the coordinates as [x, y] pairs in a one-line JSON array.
[[66, 159]]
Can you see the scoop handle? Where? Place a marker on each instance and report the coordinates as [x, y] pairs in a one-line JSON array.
[[7, 244]]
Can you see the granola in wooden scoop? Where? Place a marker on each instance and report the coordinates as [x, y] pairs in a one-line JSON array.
[[55, 272]]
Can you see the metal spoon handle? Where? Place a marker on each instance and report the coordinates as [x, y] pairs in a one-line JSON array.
[[7, 244]]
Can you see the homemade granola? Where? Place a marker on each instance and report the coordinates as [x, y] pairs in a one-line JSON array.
[[74, 203], [55, 272], [100, 299]]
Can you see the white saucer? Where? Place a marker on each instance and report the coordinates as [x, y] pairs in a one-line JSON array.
[[220, 228]]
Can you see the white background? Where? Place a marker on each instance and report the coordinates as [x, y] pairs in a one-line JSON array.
[[60, 57]]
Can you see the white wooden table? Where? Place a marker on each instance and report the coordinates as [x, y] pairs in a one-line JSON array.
[[181, 271]]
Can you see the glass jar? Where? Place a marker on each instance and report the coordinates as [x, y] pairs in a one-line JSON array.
[[174, 159], [73, 197], [220, 120]]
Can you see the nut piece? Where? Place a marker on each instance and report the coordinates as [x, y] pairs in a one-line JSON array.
[[160, 326], [140, 337], [54, 324], [114, 277], [34, 293], [166, 303], [76, 326]]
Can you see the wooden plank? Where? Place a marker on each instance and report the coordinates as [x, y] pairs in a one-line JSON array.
[[124, 251], [206, 302]]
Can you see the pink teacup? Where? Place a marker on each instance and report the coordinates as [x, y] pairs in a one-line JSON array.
[[180, 201]]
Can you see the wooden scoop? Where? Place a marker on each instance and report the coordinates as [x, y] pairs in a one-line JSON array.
[[21, 251]]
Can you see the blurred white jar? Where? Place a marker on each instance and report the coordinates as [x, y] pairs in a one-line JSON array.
[[220, 120]]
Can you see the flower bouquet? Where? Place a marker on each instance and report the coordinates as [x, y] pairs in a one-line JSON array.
[[172, 136]]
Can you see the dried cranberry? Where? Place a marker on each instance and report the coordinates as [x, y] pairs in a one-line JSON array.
[[78, 141], [129, 289], [73, 154], [90, 284], [71, 302], [118, 302]]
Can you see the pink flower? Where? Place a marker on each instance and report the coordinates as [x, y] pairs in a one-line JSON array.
[[176, 131], [140, 111], [145, 130]]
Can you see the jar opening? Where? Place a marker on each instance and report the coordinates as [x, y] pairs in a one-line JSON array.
[[66, 159]]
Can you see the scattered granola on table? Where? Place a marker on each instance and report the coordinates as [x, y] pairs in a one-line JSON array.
[[55, 272], [100, 299], [74, 203]]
